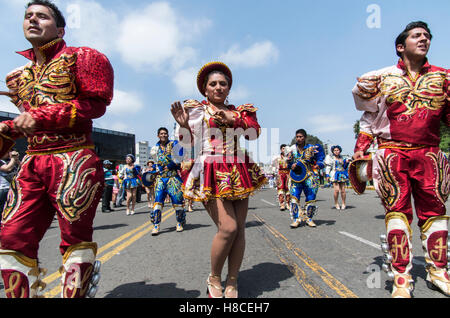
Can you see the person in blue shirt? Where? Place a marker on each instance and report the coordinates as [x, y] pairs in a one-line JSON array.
[[168, 156], [109, 184], [302, 160]]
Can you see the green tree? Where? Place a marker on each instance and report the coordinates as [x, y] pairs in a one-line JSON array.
[[311, 139], [445, 138], [356, 129]]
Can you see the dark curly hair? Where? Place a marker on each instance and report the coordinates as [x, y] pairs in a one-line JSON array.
[[56, 13], [401, 38]]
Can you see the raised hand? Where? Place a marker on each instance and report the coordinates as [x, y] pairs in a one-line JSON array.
[[180, 114]]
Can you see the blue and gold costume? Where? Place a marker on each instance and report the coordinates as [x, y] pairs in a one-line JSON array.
[[168, 182], [310, 156], [131, 177]]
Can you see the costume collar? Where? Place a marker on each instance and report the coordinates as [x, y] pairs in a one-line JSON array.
[[159, 142], [49, 50], [401, 65]]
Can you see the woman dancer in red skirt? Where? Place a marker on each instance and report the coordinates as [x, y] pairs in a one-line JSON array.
[[221, 175]]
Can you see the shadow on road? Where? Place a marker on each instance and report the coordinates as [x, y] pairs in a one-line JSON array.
[[252, 224], [187, 227], [144, 290], [251, 284], [109, 226], [322, 222]]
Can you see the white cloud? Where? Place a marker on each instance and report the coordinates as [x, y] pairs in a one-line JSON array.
[[239, 93], [185, 82], [125, 103], [155, 38], [90, 24], [257, 55], [329, 123]]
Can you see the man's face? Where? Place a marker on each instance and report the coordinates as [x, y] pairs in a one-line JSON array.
[[300, 139], [283, 150], [39, 25], [163, 136], [417, 44]]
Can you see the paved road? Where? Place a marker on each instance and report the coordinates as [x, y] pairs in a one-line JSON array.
[[338, 259]]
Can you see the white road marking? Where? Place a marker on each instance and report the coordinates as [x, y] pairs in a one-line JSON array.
[[377, 246], [272, 204]]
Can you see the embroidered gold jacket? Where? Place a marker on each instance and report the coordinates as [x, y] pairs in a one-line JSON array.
[[402, 110], [63, 95]]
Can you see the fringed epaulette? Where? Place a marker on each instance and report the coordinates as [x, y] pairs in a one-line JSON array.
[[247, 108], [192, 103]]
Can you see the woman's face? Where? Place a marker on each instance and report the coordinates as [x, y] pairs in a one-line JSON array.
[[129, 160], [336, 151], [217, 88]]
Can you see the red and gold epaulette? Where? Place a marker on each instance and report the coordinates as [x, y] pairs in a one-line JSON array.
[[192, 103], [247, 108]]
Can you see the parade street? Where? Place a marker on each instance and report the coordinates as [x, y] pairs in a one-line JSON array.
[[340, 258]]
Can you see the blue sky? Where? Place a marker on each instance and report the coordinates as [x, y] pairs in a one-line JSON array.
[[296, 60]]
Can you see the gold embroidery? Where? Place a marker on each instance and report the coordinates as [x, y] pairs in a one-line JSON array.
[[52, 84], [74, 282], [439, 250], [15, 280], [39, 140], [400, 249], [76, 191], [442, 175], [426, 93], [52, 152], [388, 187], [14, 199]]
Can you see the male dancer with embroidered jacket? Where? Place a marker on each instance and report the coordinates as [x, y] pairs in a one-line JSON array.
[[58, 93], [281, 165], [168, 180], [308, 156], [403, 106]]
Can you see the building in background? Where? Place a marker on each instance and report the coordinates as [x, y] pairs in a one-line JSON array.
[[142, 152], [109, 144]]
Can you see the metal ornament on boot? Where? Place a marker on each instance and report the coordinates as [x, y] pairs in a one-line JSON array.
[[92, 291]]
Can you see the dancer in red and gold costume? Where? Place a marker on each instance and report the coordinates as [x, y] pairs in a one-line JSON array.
[[220, 175], [58, 93], [281, 164], [403, 106]]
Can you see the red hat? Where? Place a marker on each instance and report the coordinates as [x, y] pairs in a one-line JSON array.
[[208, 68], [360, 172]]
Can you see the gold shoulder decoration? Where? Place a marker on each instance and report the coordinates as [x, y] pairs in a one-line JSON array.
[[192, 103], [427, 92], [247, 108]]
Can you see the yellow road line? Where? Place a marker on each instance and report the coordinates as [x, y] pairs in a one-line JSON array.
[[328, 279], [311, 289], [49, 279]]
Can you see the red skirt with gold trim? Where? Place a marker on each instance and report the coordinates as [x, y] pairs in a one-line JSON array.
[[227, 178]]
